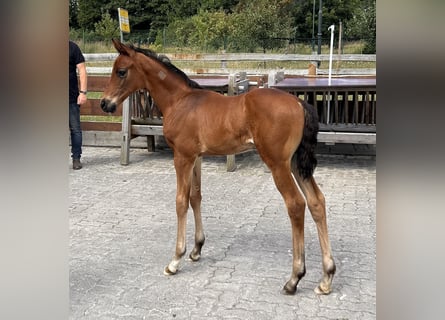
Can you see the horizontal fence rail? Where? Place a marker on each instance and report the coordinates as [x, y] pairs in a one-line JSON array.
[[245, 57], [260, 58]]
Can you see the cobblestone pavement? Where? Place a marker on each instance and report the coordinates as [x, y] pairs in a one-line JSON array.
[[123, 229]]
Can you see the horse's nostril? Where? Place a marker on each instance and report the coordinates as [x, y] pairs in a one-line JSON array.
[[103, 104], [107, 105]]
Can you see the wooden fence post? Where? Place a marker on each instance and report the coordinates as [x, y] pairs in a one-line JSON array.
[[126, 132]]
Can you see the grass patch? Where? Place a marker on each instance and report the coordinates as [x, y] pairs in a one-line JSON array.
[[94, 95], [353, 47], [101, 118]]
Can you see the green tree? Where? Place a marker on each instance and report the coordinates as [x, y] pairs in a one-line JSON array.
[[141, 12], [216, 35], [333, 11], [363, 25], [194, 31], [89, 13], [73, 11], [260, 23], [224, 5], [244, 24], [107, 28]]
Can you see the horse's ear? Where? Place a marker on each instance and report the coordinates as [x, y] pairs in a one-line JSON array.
[[122, 48]]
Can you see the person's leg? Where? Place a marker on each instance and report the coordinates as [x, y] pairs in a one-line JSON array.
[[76, 134]]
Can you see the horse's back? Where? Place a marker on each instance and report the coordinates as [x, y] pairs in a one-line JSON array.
[[274, 106]]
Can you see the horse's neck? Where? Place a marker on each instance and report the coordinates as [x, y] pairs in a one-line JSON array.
[[164, 86]]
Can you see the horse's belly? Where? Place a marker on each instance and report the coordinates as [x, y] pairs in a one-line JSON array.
[[229, 147]]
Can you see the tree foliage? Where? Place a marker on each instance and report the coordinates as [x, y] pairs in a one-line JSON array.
[[363, 25], [107, 28], [260, 23], [245, 25]]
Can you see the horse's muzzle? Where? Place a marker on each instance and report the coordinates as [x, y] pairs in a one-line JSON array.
[[107, 105]]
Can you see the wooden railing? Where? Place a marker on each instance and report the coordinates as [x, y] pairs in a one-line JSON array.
[[222, 61], [92, 110], [245, 57], [346, 107]]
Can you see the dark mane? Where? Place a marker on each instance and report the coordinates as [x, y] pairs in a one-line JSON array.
[[166, 62]]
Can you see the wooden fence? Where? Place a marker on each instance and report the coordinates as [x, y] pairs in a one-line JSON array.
[[222, 61]]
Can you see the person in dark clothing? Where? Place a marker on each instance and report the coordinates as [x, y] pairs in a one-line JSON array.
[[77, 97]]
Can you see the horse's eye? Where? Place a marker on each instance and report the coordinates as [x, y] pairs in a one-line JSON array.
[[121, 73]]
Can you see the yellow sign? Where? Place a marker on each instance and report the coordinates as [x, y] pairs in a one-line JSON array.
[[124, 23]]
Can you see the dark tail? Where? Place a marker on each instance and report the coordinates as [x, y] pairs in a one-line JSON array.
[[303, 160]]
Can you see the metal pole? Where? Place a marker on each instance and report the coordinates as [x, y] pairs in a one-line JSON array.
[[340, 31], [320, 11], [313, 27], [331, 28], [120, 24]]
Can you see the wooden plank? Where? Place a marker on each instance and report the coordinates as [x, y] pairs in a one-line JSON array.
[[348, 127], [361, 72], [100, 56], [146, 130], [332, 137], [92, 108], [347, 137], [336, 121], [100, 126], [97, 83]]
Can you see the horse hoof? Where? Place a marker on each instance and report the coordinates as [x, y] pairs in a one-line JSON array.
[[288, 290], [322, 291], [169, 272], [194, 257]]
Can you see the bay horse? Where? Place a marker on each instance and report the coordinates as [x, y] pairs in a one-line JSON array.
[[198, 122]]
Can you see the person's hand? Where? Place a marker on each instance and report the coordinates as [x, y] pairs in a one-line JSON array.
[[81, 98]]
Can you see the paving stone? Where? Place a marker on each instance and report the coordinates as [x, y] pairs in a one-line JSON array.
[[123, 229]]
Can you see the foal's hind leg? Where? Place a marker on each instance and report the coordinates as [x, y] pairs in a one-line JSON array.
[[295, 206], [195, 202], [316, 203]]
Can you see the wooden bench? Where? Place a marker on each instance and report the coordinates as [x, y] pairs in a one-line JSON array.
[[346, 108]]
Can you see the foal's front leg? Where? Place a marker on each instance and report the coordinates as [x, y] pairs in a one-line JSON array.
[[183, 168], [195, 202]]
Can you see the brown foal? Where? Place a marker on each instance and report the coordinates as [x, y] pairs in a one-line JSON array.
[[199, 122]]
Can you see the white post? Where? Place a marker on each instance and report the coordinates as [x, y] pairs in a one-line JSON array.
[[120, 24], [331, 28]]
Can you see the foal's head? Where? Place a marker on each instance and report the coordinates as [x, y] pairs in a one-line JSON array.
[[130, 74], [126, 77]]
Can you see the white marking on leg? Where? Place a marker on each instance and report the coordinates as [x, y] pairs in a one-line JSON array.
[[174, 265]]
